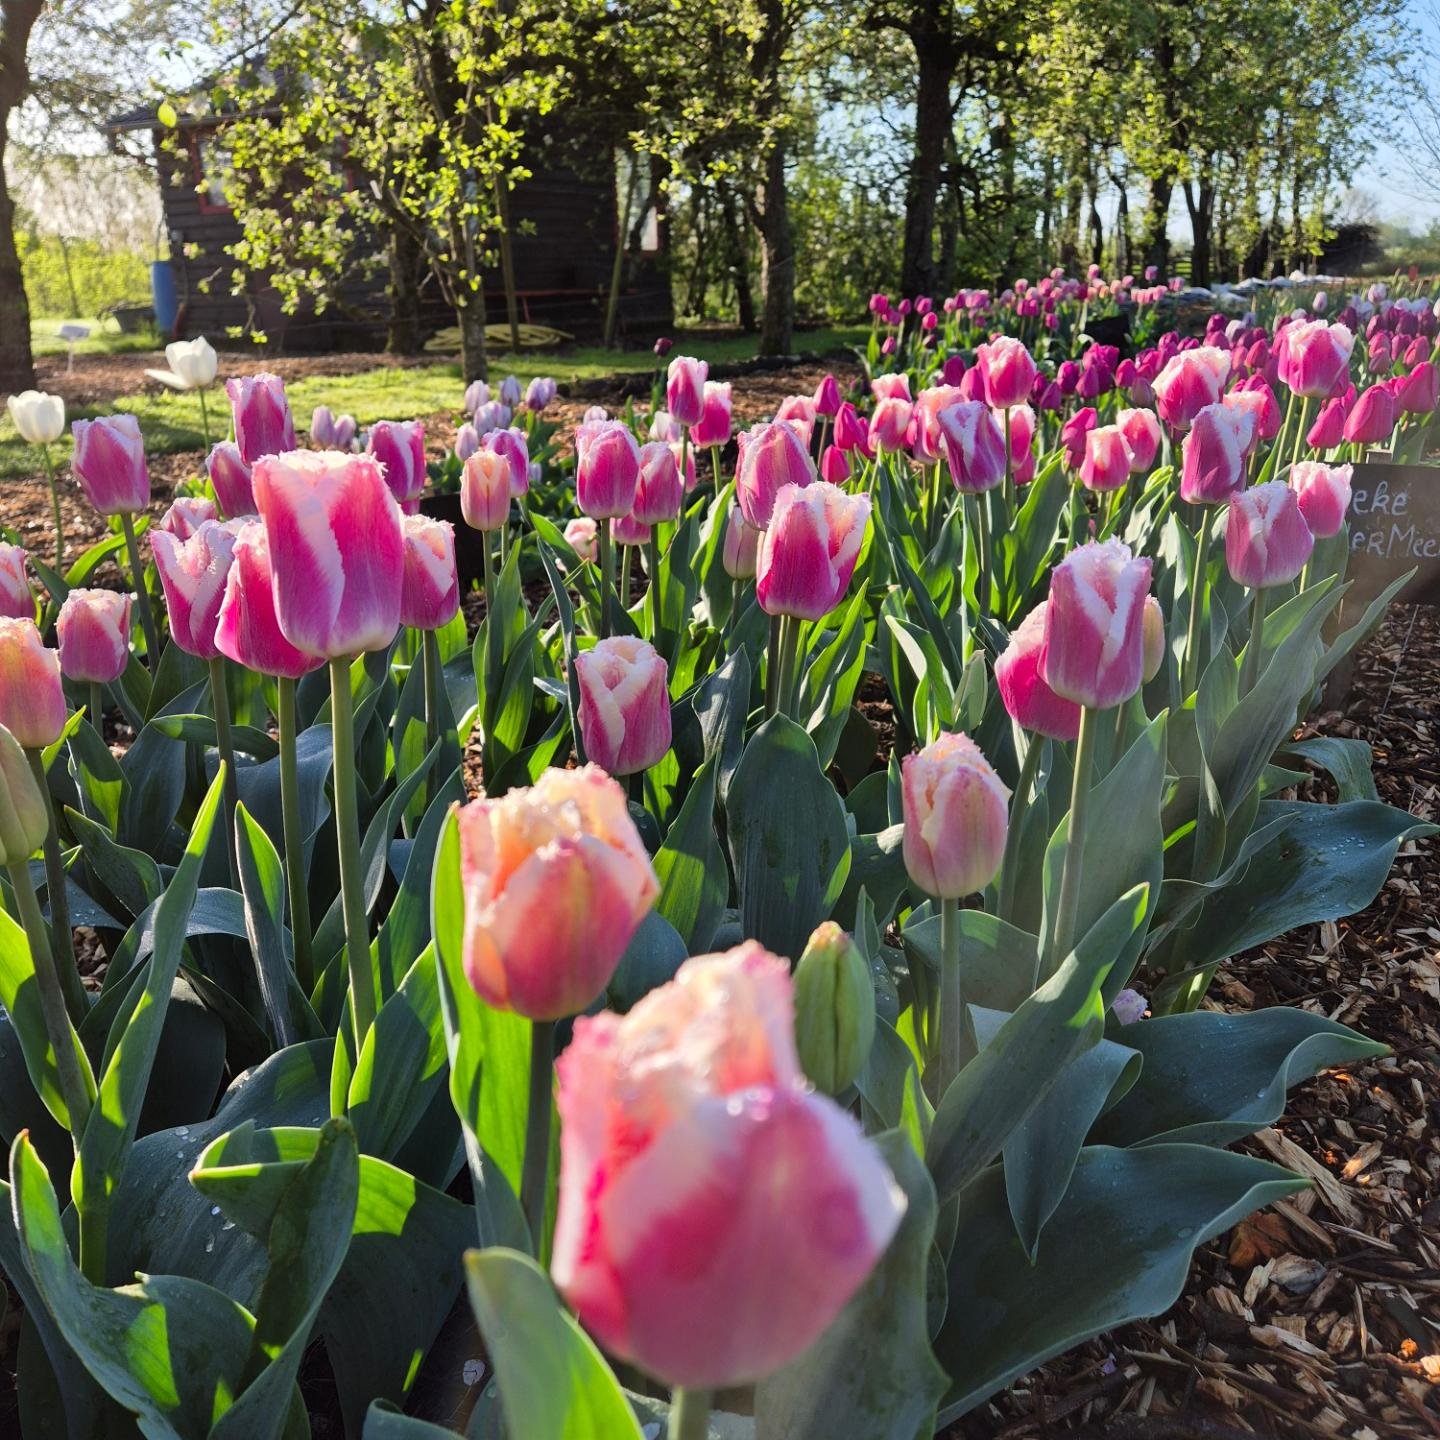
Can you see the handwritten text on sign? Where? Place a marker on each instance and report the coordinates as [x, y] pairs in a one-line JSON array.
[[1395, 527]]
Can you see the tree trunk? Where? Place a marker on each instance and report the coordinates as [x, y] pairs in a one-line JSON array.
[[1200, 201], [470, 312], [935, 71], [1155, 243], [777, 325], [17, 363], [1122, 231], [739, 261], [407, 267]]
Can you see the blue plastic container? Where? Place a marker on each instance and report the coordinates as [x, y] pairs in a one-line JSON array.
[[163, 296]]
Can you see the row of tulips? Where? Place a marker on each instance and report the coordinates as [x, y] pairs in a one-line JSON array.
[[778, 1129]]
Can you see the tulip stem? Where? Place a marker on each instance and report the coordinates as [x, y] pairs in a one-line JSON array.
[[1068, 906], [787, 669], [1197, 586], [1301, 429], [689, 1414], [220, 700], [1255, 645], [535, 1175], [772, 672], [430, 662], [142, 593], [74, 991], [1029, 767], [77, 1084], [605, 553], [1009, 490], [626, 551], [205, 419], [982, 552], [49, 465], [487, 578], [653, 554], [952, 1000], [97, 708], [295, 877], [347, 835]]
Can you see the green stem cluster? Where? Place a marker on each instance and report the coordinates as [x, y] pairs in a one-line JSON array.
[[347, 835]]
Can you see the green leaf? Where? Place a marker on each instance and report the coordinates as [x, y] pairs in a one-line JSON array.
[[200, 730], [1348, 761], [871, 1375], [1004, 1083], [694, 883], [998, 963], [154, 769], [1211, 1078], [655, 952], [262, 882], [554, 1383], [131, 876], [788, 839], [1116, 1250], [890, 1088], [384, 1422], [99, 779]]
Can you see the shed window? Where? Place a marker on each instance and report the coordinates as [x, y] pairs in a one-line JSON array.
[[211, 160]]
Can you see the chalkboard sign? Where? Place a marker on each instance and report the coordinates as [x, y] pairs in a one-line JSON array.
[[1395, 527]]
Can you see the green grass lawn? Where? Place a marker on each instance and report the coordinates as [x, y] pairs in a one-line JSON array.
[[171, 422], [104, 338]]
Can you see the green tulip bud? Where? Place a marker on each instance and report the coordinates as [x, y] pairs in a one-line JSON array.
[[834, 1009], [24, 819]]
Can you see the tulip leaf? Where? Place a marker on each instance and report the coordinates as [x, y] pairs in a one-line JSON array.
[[154, 769], [554, 1382], [1002, 1085], [789, 843], [384, 1422], [1211, 1078], [998, 963], [890, 1090], [259, 785], [1117, 1249], [877, 869], [721, 703], [830, 678], [262, 883], [200, 730], [1348, 762], [131, 876], [694, 883], [100, 782], [892, 1395]]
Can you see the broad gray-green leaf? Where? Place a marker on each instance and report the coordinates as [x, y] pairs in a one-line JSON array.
[[694, 883]]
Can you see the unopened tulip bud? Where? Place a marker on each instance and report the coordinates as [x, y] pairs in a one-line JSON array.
[[809, 550], [852, 432], [430, 594], [1314, 358], [1212, 464], [627, 530], [742, 546], [713, 426], [956, 818], [581, 537], [1008, 370], [624, 704], [973, 445], [607, 468], [485, 491], [1372, 420], [539, 393], [1129, 1007], [890, 423], [93, 633], [1108, 459], [263, 424], [399, 446], [685, 388], [663, 346], [477, 393], [24, 815], [1419, 392], [1141, 429], [834, 1010], [659, 493], [1094, 651], [1328, 431], [40, 418], [322, 427], [230, 479], [834, 467], [771, 457], [894, 386], [556, 881], [1267, 541], [1153, 631], [1073, 435], [16, 599], [827, 396], [510, 392], [32, 700], [1323, 494], [109, 463]]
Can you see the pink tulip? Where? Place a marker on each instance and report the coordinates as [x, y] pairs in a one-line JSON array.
[[834, 467], [93, 631], [322, 428], [263, 425], [1008, 371], [1141, 429], [1267, 541], [624, 704], [32, 699], [230, 479], [1212, 464], [956, 817], [742, 546], [1372, 420], [713, 426], [248, 629], [688, 1134], [399, 446], [890, 424], [1189, 382], [973, 445], [664, 426], [193, 573], [627, 530], [16, 599], [1328, 431], [1153, 634], [685, 389], [1022, 442], [659, 493], [607, 467], [971, 386], [927, 444], [1419, 392], [510, 445], [808, 553], [827, 397], [798, 411], [467, 442], [109, 463], [1108, 459], [581, 537], [1073, 435], [1028, 700], [852, 430], [556, 881], [336, 550], [430, 593], [186, 515], [1265, 409], [771, 457], [1314, 357], [891, 387], [485, 491], [1323, 493], [1094, 649]]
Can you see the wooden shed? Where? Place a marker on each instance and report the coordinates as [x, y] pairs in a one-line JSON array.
[[566, 226]]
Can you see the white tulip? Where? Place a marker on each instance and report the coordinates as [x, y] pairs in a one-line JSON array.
[[193, 361], [40, 418]]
